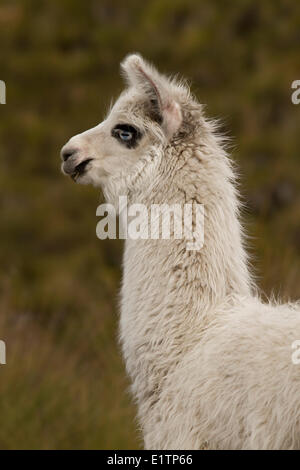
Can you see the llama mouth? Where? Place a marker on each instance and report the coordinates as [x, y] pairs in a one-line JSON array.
[[80, 169]]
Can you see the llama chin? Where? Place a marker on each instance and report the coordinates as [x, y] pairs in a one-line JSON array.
[[209, 362]]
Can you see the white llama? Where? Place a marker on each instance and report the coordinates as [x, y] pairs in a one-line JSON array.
[[210, 363]]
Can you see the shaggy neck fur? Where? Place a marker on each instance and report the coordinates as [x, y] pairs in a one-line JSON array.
[[168, 293]]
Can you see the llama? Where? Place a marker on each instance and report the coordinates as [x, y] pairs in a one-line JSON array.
[[209, 363]]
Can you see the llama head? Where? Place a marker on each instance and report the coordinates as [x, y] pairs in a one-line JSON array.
[[144, 120]]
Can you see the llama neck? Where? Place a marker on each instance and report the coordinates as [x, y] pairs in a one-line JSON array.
[[168, 293], [202, 175]]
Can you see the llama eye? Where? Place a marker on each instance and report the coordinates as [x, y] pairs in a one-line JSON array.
[[126, 134]]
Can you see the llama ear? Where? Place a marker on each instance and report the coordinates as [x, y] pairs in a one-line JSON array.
[[158, 89]]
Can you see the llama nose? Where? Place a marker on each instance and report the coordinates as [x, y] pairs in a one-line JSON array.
[[67, 153]]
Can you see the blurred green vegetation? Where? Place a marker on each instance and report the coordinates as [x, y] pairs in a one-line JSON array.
[[64, 384]]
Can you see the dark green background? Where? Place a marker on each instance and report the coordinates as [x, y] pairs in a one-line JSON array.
[[64, 384]]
